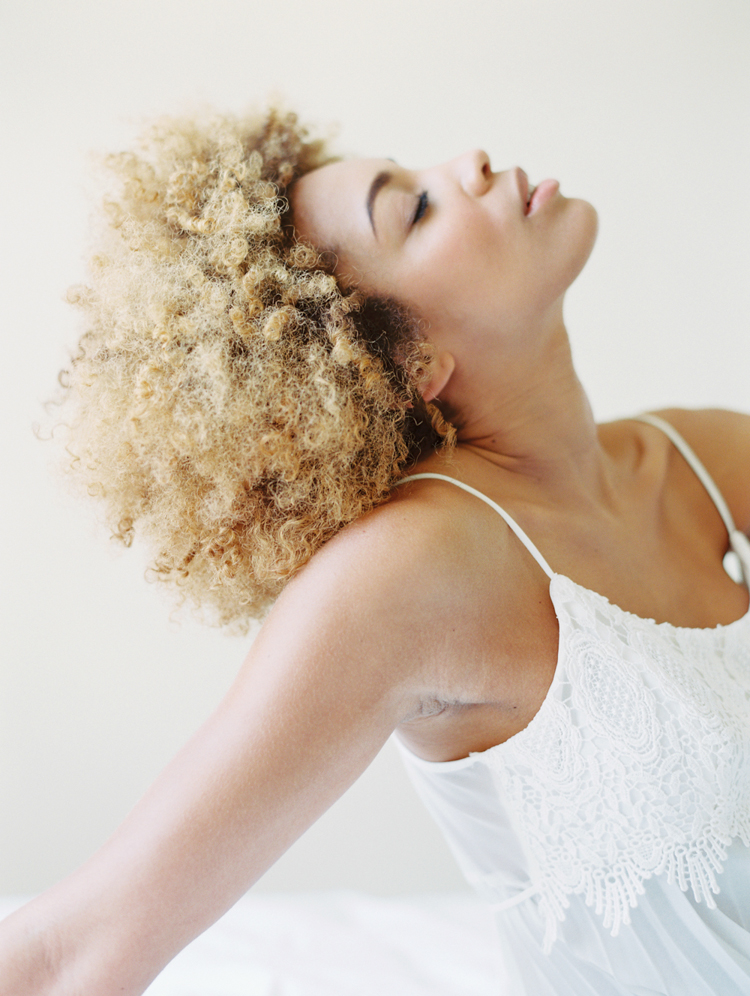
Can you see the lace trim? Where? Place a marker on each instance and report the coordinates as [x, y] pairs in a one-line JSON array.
[[638, 762]]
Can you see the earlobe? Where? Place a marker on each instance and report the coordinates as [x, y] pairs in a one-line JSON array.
[[441, 373]]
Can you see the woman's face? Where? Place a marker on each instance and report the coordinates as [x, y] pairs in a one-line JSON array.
[[458, 244]]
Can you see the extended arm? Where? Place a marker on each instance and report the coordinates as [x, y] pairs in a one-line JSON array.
[[325, 684]]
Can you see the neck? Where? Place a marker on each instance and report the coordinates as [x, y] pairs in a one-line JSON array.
[[531, 417]]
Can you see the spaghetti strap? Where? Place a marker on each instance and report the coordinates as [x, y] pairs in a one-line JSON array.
[[530, 546], [737, 539]]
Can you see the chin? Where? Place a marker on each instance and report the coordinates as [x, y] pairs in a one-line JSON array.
[[585, 225]]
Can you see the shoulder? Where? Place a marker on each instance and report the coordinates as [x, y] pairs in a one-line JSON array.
[[715, 427], [413, 553], [403, 591], [371, 588], [426, 533], [721, 440]]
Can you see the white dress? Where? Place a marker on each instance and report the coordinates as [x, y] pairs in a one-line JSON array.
[[612, 834]]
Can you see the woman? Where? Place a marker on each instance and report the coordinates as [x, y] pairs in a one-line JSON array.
[[251, 403]]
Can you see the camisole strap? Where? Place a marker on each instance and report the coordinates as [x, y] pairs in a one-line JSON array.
[[737, 539], [530, 546]]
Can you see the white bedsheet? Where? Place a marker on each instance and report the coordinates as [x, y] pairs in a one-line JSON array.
[[339, 944]]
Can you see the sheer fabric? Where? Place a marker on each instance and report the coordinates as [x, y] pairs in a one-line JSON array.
[[612, 834]]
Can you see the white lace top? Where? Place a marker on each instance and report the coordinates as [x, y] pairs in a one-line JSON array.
[[636, 766]]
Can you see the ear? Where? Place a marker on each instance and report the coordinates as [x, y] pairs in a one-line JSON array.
[[441, 373]]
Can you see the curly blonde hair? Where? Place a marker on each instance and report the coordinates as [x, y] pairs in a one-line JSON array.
[[228, 399]]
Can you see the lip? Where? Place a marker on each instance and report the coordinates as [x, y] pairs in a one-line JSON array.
[[522, 181], [544, 192]]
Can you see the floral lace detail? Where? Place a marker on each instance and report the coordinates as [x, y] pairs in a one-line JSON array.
[[637, 763]]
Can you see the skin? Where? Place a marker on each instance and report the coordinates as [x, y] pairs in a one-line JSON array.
[[325, 683], [614, 507]]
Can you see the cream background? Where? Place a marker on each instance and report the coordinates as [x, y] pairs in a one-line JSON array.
[[642, 106]]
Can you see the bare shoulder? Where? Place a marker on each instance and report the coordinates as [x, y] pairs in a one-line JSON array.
[[717, 428], [400, 549], [411, 546], [721, 439], [402, 594], [365, 597]]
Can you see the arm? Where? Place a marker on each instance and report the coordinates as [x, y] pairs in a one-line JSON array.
[[323, 687]]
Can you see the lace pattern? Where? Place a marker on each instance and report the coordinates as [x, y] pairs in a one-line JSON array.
[[638, 762]]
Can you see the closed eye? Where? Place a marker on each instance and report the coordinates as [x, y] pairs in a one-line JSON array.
[[422, 205]]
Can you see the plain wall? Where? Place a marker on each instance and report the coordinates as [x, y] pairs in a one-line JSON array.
[[641, 106]]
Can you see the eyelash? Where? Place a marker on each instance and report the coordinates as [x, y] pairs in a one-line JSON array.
[[422, 205]]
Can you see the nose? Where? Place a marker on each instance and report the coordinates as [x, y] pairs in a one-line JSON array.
[[474, 172]]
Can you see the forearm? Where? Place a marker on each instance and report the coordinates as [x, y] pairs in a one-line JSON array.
[[114, 924], [64, 944], [42, 953], [27, 955], [310, 709], [48, 948], [215, 820]]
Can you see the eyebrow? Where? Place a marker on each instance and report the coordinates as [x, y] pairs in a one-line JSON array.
[[381, 179]]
